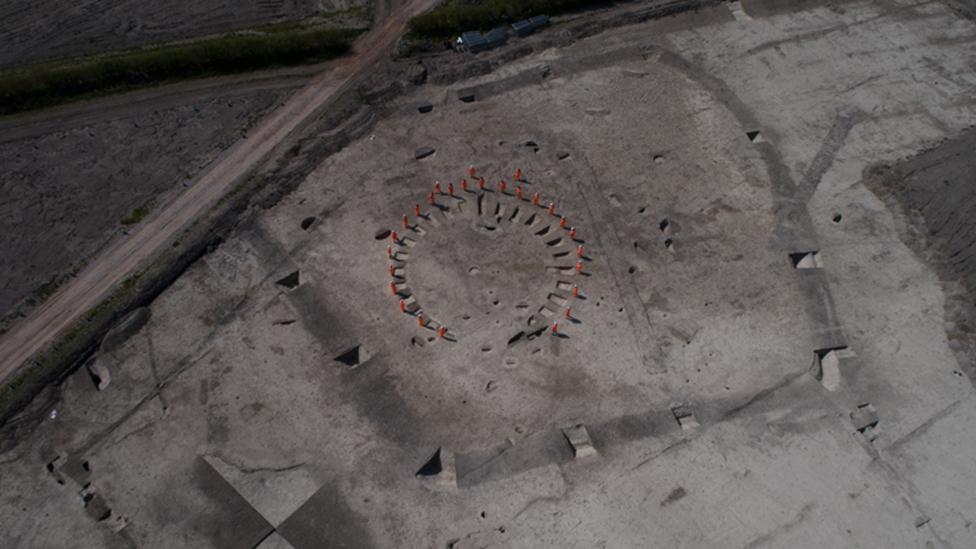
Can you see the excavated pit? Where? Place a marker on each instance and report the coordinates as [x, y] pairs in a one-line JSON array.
[[471, 266], [289, 281], [354, 356]]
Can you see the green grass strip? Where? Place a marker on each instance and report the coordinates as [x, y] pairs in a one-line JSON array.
[[50, 84], [136, 215]]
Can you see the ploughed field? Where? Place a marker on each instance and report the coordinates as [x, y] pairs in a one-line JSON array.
[[48, 29]]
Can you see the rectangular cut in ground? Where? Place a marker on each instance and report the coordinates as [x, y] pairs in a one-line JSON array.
[[354, 356], [826, 366], [685, 417], [579, 438], [806, 260], [864, 417], [440, 469]]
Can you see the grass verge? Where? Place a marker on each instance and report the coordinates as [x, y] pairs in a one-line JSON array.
[[68, 349], [455, 16], [49, 84], [136, 215]]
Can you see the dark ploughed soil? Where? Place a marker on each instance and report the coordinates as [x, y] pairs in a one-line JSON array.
[[41, 30], [65, 193], [936, 192]]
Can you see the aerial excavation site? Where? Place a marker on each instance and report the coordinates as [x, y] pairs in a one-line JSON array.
[[287, 274]]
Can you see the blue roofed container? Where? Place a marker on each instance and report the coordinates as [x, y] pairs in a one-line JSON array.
[[473, 41], [523, 27], [496, 37], [526, 27]]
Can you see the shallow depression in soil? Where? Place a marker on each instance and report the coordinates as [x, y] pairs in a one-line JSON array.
[[474, 274]]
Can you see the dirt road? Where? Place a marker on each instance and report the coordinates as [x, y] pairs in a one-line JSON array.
[[123, 256]]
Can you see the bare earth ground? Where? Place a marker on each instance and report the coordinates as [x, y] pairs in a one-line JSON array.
[[48, 29], [230, 420], [65, 192]]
